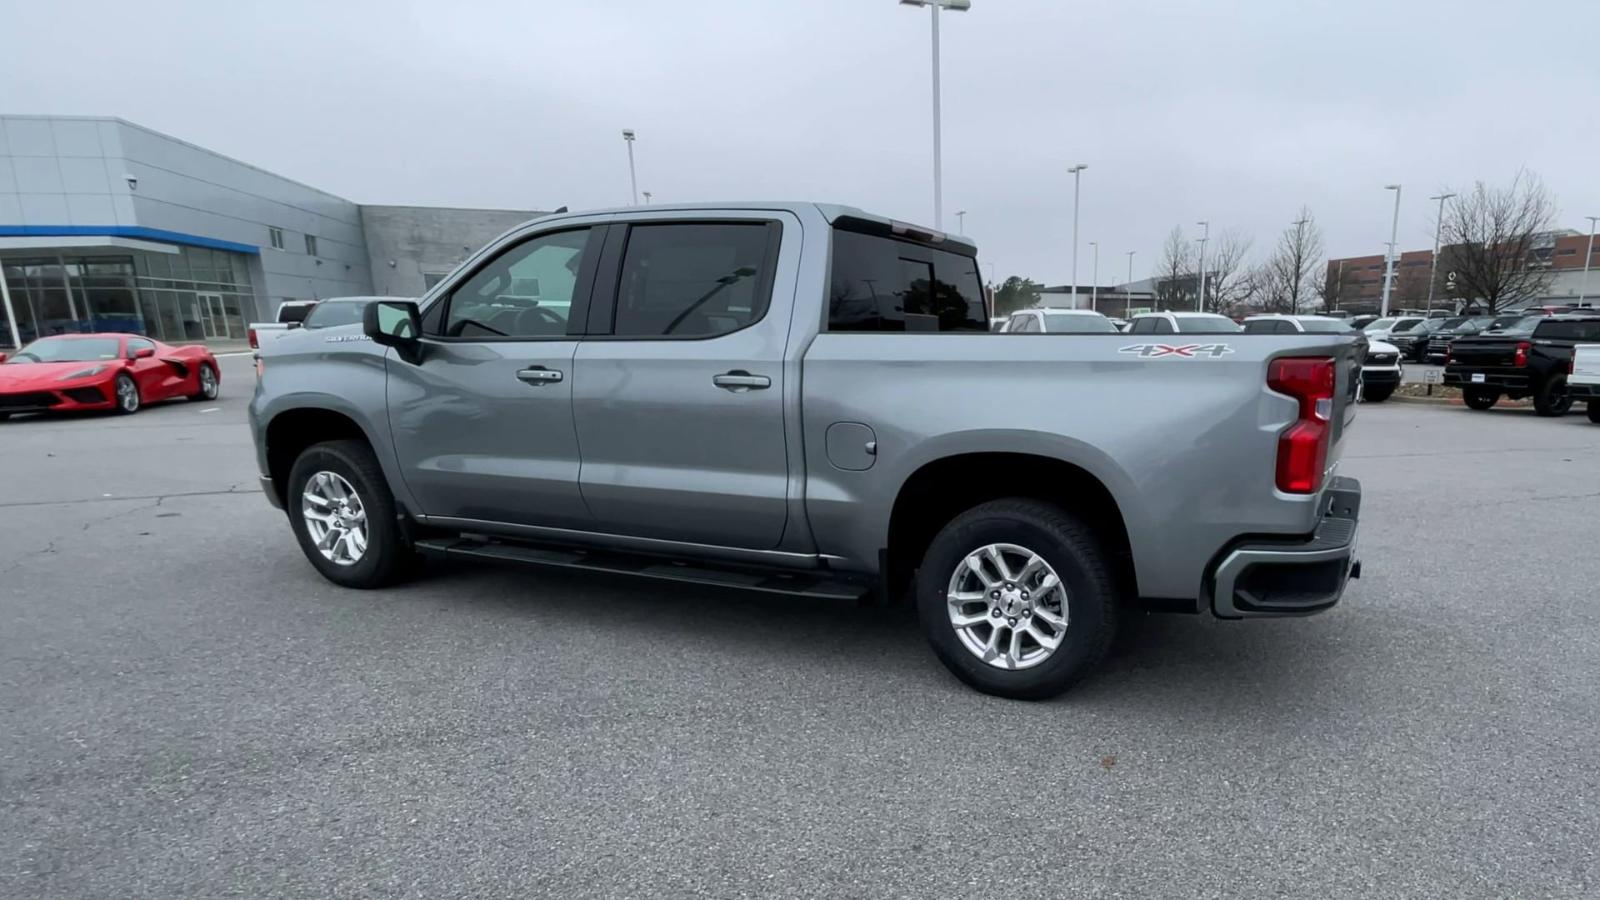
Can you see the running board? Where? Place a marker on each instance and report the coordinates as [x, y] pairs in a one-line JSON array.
[[793, 584]]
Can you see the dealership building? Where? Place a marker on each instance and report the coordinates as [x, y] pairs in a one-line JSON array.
[[108, 226]]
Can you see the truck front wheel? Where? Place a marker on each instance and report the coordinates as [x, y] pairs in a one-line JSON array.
[[343, 513], [1552, 398], [1017, 598]]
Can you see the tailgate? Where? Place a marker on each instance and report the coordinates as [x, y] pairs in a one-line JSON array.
[[1586, 364], [1350, 357], [1484, 352]]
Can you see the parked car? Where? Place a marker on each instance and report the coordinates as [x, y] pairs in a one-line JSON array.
[[1121, 324], [1360, 322], [339, 311], [774, 397], [120, 372], [1531, 359], [1583, 378], [290, 314], [1413, 341], [1380, 365], [1380, 329], [1460, 326], [1058, 321], [1182, 323]]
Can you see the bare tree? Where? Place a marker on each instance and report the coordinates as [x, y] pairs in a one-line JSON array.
[[1284, 283], [1228, 283], [1175, 275], [1488, 236]]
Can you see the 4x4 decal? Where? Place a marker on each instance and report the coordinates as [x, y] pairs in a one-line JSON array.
[[1185, 351]]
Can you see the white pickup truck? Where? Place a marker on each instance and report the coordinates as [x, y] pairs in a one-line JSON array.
[[290, 314], [1583, 380]]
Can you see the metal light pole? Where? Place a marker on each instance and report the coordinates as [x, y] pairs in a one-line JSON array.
[[1294, 301], [646, 197], [1094, 284], [961, 221], [1388, 264], [1583, 288], [938, 189], [1077, 174], [633, 179], [1127, 292], [1200, 303], [1433, 270]]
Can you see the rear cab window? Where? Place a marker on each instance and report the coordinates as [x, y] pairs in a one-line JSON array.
[[881, 284], [1581, 330], [1207, 325]]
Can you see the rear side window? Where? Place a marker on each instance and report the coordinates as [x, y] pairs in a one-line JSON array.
[[1026, 325], [1555, 329], [1211, 325], [1261, 326], [694, 279], [1151, 325], [1079, 325], [881, 284]]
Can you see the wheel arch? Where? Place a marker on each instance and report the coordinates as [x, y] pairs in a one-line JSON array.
[[290, 432], [942, 488]]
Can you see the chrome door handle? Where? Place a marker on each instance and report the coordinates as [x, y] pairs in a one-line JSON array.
[[740, 380], [537, 375]]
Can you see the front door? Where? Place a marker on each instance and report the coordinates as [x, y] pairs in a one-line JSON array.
[[482, 421], [679, 399]]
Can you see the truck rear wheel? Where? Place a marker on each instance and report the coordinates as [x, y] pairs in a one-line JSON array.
[[343, 513], [1552, 398], [1017, 598], [1480, 398], [1594, 411]]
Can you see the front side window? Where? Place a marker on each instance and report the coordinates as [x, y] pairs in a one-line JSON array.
[[344, 312], [882, 284], [694, 279], [1027, 325], [1261, 326], [525, 292], [137, 344]]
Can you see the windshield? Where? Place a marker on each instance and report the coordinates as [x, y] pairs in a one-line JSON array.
[[344, 312], [1078, 325], [69, 349], [1514, 323], [1207, 325]]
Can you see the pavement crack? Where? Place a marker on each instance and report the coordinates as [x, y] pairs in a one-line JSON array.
[[232, 489]]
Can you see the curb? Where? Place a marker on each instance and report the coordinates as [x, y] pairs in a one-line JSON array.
[[1425, 401]]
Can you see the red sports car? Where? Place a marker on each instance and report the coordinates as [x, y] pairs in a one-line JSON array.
[[122, 372]]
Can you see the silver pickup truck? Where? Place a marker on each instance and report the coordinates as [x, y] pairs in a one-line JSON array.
[[806, 399]]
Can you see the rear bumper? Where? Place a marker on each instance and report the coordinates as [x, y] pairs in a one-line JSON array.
[[1259, 578], [1496, 378]]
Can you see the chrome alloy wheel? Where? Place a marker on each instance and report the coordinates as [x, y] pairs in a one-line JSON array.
[[127, 394], [335, 518], [1008, 606], [208, 383]]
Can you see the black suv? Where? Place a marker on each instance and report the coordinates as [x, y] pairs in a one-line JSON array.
[[1528, 358], [1465, 326], [1413, 342]]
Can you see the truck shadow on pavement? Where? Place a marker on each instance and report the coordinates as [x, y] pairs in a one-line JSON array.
[[1162, 663]]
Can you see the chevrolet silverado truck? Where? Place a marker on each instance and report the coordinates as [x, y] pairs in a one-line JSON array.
[[1530, 357], [806, 399]]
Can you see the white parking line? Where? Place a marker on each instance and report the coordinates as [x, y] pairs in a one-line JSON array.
[[209, 409], [234, 353]]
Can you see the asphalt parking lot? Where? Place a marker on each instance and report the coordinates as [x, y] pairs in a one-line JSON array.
[[187, 709]]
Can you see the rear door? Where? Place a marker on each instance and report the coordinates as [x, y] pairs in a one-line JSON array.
[[679, 394], [482, 422]]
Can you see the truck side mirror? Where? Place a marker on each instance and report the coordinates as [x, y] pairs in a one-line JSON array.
[[394, 323]]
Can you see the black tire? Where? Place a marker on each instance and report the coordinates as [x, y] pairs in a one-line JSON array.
[[1070, 547], [1376, 394], [1594, 411], [205, 393], [124, 382], [1552, 399], [387, 556], [4, 416], [1480, 398]]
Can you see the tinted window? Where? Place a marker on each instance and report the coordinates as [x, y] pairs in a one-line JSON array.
[[1261, 326], [1556, 329], [1027, 325], [1078, 325], [65, 349], [1151, 325], [327, 315], [1325, 326], [296, 312], [694, 280], [1208, 325], [524, 292], [881, 284]]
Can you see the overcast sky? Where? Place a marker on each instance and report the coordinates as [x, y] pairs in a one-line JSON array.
[[1236, 111]]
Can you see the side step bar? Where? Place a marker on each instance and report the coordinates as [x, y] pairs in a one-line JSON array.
[[794, 584]]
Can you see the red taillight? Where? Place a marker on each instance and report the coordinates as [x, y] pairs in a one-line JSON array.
[[1521, 359], [1303, 446], [254, 344]]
